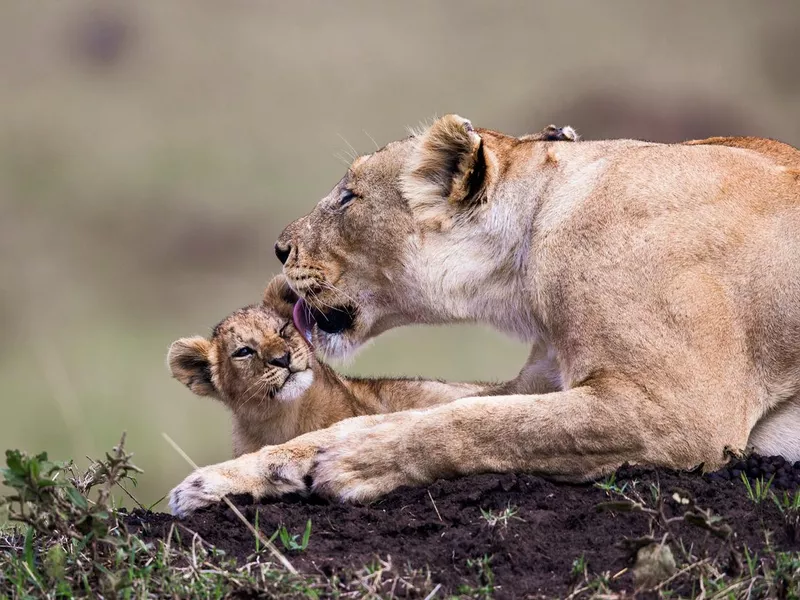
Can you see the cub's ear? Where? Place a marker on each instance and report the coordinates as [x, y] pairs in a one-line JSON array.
[[448, 163], [280, 297], [189, 362]]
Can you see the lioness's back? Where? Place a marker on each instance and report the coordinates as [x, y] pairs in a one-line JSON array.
[[783, 153]]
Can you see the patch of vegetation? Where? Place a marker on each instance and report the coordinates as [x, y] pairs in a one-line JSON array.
[[67, 540], [502, 517], [290, 541], [483, 572], [789, 506], [759, 490], [733, 572]]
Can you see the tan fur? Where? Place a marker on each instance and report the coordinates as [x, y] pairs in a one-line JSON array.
[[659, 285], [787, 155], [551, 133], [272, 404]]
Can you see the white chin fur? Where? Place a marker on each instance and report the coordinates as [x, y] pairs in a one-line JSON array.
[[335, 345], [295, 386]]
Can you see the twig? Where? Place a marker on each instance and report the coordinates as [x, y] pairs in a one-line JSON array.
[[679, 573], [434, 506], [131, 496], [724, 592], [277, 553], [434, 591]]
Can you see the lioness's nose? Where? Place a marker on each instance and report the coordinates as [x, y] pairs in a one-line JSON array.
[[282, 251]]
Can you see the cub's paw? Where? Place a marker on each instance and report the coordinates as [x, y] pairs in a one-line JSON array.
[[202, 488]]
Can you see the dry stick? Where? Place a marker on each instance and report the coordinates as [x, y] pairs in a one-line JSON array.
[[277, 553], [434, 506], [433, 593], [578, 591], [674, 576], [131, 496]]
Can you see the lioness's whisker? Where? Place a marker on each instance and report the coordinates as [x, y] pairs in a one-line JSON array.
[[333, 288], [351, 148]]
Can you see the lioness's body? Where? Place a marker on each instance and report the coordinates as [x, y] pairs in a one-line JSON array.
[[659, 285], [784, 154]]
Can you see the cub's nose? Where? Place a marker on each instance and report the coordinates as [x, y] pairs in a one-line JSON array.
[[282, 251], [280, 361]]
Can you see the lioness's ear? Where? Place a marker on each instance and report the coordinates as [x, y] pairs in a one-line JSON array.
[[280, 297], [189, 362], [447, 163]]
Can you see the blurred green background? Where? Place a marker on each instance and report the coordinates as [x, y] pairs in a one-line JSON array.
[[151, 152]]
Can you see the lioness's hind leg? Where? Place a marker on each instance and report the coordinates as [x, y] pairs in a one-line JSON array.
[[778, 432]]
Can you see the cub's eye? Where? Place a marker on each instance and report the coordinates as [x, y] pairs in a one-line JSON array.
[[347, 198], [282, 332], [243, 352]]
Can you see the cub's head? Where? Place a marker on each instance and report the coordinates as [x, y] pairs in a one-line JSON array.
[[409, 235], [253, 355]]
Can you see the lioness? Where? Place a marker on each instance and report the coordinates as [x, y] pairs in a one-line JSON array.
[[258, 364], [659, 285]]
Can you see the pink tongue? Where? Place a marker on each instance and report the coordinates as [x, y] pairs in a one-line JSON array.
[[303, 321]]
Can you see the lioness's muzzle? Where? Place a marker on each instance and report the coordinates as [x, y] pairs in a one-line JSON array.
[[332, 320]]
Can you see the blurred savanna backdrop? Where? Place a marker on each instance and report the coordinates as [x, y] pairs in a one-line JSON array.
[[151, 152]]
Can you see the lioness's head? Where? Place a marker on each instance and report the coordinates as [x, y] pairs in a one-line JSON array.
[[253, 355], [410, 234]]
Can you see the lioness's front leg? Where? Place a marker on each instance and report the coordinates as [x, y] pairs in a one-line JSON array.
[[574, 435], [271, 471], [282, 469]]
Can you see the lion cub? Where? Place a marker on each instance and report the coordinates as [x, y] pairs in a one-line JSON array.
[[264, 371]]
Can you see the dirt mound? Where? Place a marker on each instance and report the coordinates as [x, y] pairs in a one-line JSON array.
[[541, 538]]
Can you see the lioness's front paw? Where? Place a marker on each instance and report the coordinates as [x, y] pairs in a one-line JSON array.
[[362, 466], [202, 488]]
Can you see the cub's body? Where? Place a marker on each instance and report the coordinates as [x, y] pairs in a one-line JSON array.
[[261, 368]]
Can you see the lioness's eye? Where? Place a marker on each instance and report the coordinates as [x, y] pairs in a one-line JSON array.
[[243, 351], [347, 198]]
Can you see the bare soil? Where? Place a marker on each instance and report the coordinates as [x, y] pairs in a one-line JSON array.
[[445, 527]]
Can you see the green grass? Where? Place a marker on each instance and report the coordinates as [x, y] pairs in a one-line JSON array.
[[759, 490], [67, 540], [290, 541], [485, 587], [501, 517]]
